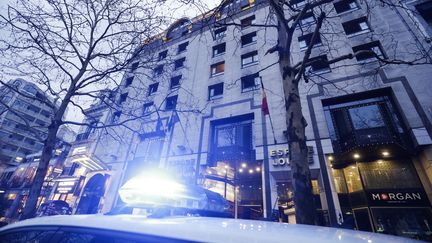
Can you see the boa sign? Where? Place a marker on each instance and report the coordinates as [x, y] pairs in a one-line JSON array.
[[398, 197]]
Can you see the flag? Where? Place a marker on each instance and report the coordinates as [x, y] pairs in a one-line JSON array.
[[173, 119], [264, 105]]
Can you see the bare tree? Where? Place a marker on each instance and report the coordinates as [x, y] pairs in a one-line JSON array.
[[73, 50], [316, 18]]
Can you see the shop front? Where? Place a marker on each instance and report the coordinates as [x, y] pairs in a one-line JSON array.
[[384, 196]]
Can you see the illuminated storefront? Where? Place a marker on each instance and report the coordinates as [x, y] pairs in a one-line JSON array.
[[377, 184]]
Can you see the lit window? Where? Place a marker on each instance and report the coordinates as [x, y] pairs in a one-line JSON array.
[[163, 55], [345, 6], [219, 33], [304, 40], [249, 58], [249, 39], [129, 81], [246, 22], [356, 26], [171, 103], [215, 91], [219, 49], [372, 47], [182, 47], [179, 63], [319, 64], [217, 68], [147, 108], [175, 82], [250, 82], [158, 70], [152, 88]]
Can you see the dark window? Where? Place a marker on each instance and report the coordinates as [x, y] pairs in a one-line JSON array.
[[129, 81], [175, 81], [364, 117], [345, 5], [123, 98], [152, 88], [24, 235], [250, 82], [372, 47], [220, 32], [217, 68], [425, 10], [319, 64], [307, 19], [215, 91], [147, 108], [234, 135], [249, 39], [249, 58], [297, 3], [163, 55], [359, 25], [134, 66], [182, 47], [305, 40], [246, 22], [171, 103], [158, 70], [116, 117], [179, 63], [219, 49]]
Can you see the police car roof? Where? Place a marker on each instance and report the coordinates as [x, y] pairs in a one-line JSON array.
[[204, 229]]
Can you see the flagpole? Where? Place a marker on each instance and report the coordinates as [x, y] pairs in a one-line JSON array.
[[271, 121]]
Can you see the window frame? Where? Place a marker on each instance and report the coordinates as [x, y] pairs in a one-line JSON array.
[[247, 22], [246, 78], [335, 5], [214, 67], [169, 99], [322, 70], [372, 58], [179, 63], [254, 60], [220, 33], [356, 24], [254, 37], [174, 78], [162, 55], [147, 108], [151, 91], [182, 47], [218, 86], [129, 81], [216, 48]]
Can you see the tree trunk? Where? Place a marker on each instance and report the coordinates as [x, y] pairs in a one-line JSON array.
[[301, 179], [49, 146]]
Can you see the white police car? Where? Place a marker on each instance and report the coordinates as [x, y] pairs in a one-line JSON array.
[[154, 189]]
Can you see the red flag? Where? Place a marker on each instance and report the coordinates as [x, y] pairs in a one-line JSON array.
[[264, 105]]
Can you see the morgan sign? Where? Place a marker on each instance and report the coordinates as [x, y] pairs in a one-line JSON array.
[[398, 197]]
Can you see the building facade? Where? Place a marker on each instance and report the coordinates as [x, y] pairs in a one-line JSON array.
[[197, 91]]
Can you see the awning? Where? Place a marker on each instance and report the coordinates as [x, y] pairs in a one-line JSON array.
[[90, 162]]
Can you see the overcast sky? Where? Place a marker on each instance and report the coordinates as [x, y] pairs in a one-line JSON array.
[[190, 11]]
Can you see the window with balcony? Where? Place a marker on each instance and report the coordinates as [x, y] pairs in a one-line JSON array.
[[182, 47], [345, 6], [152, 89], [250, 82], [147, 108], [247, 22], [249, 39], [220, 32], [171, 103], [305, 40], [215, 91], [163, 55], [129, 81], [175, 82], [217, 69], [179, 63], [319, 65], [219, 49], [371, 50], [356, 26], [134, 66], [250, 58], [158, 70]]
